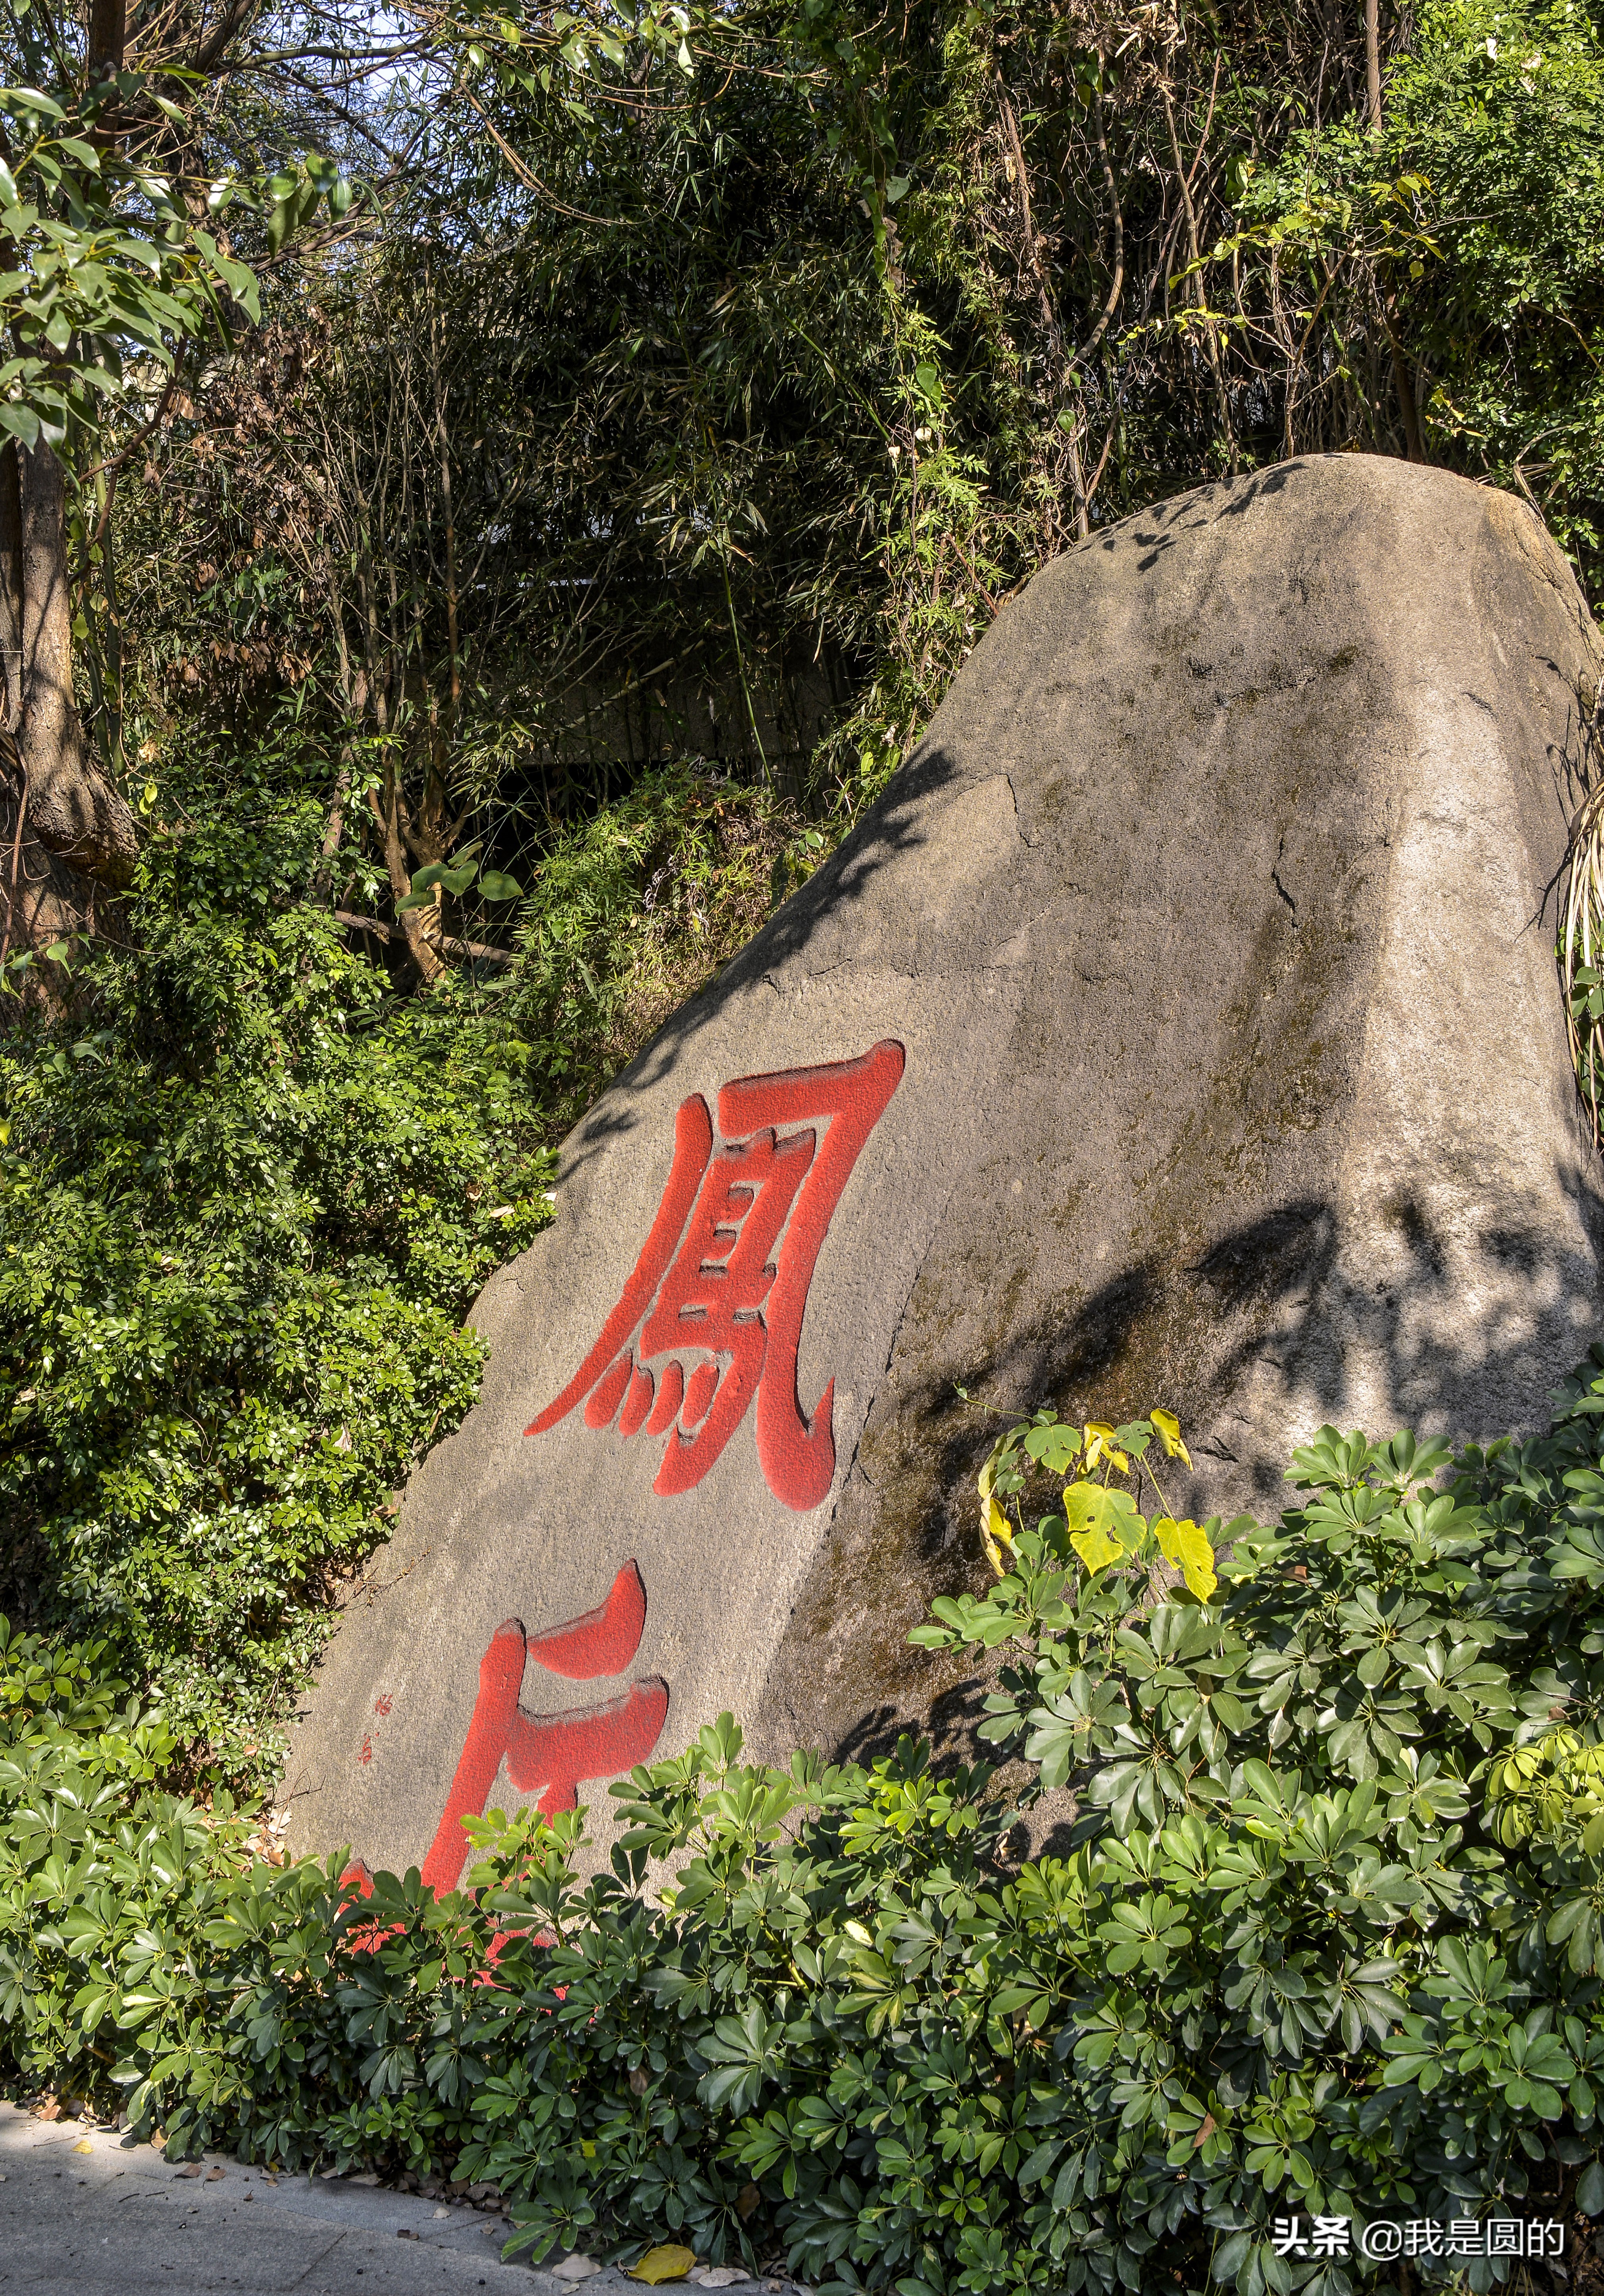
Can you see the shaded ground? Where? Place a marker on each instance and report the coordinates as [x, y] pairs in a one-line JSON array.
[[86, 2212]]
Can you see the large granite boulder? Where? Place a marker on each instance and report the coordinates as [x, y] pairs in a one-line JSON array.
[[1181, 1027]]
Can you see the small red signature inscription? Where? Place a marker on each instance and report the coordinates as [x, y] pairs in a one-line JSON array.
[[724, 1275], [550, 1754]]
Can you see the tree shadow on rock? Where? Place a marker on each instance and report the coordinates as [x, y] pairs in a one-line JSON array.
[[1279, 1325]]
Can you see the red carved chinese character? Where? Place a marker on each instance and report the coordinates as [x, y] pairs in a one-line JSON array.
[[551, 1753], [726, 1271]]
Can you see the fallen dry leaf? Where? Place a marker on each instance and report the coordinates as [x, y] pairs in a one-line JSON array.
[[661, 2264]]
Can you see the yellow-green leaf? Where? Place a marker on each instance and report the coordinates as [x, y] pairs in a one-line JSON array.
[[1169, 1427], [661, 2264], [993, 1522], [1096, 1549], [1081, 1503], [1101, 1444], [1086, 1504], [993, 1527], [988, 1475], [1183, 1544], [1103, 1525]]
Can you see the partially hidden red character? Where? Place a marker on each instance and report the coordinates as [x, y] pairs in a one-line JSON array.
[[358, 1883], [725, 1270], [551, 1753]]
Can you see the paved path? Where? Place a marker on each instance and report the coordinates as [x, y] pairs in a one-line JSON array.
[[86, 2212]]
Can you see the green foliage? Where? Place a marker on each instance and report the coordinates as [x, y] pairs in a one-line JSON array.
[[1350, 1899], [1480, 215], [697, 452], [462, 873], [741, 411], [245, 1196], [99, 254], [104, 252], [1325, 1937], [633, 909], [767, 408], [1501, 108]]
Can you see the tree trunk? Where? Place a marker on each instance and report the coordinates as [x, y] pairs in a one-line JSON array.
[[415, 924], [71, 809], [1408, 405], [45, 901], [108, 34]]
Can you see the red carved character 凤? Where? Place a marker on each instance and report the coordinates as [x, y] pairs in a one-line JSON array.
[[548, 1754], [725, 1275]]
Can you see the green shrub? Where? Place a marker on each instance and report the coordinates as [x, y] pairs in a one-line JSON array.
[[633, 909], [93, 1854], [246, 1194], [1325, 1939]]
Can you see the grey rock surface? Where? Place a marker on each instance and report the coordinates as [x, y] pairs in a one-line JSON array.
[[86, 2212], [1214, 921]]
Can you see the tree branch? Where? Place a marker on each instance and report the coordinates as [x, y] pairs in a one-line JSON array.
[[1112, 305], [475, 952]]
